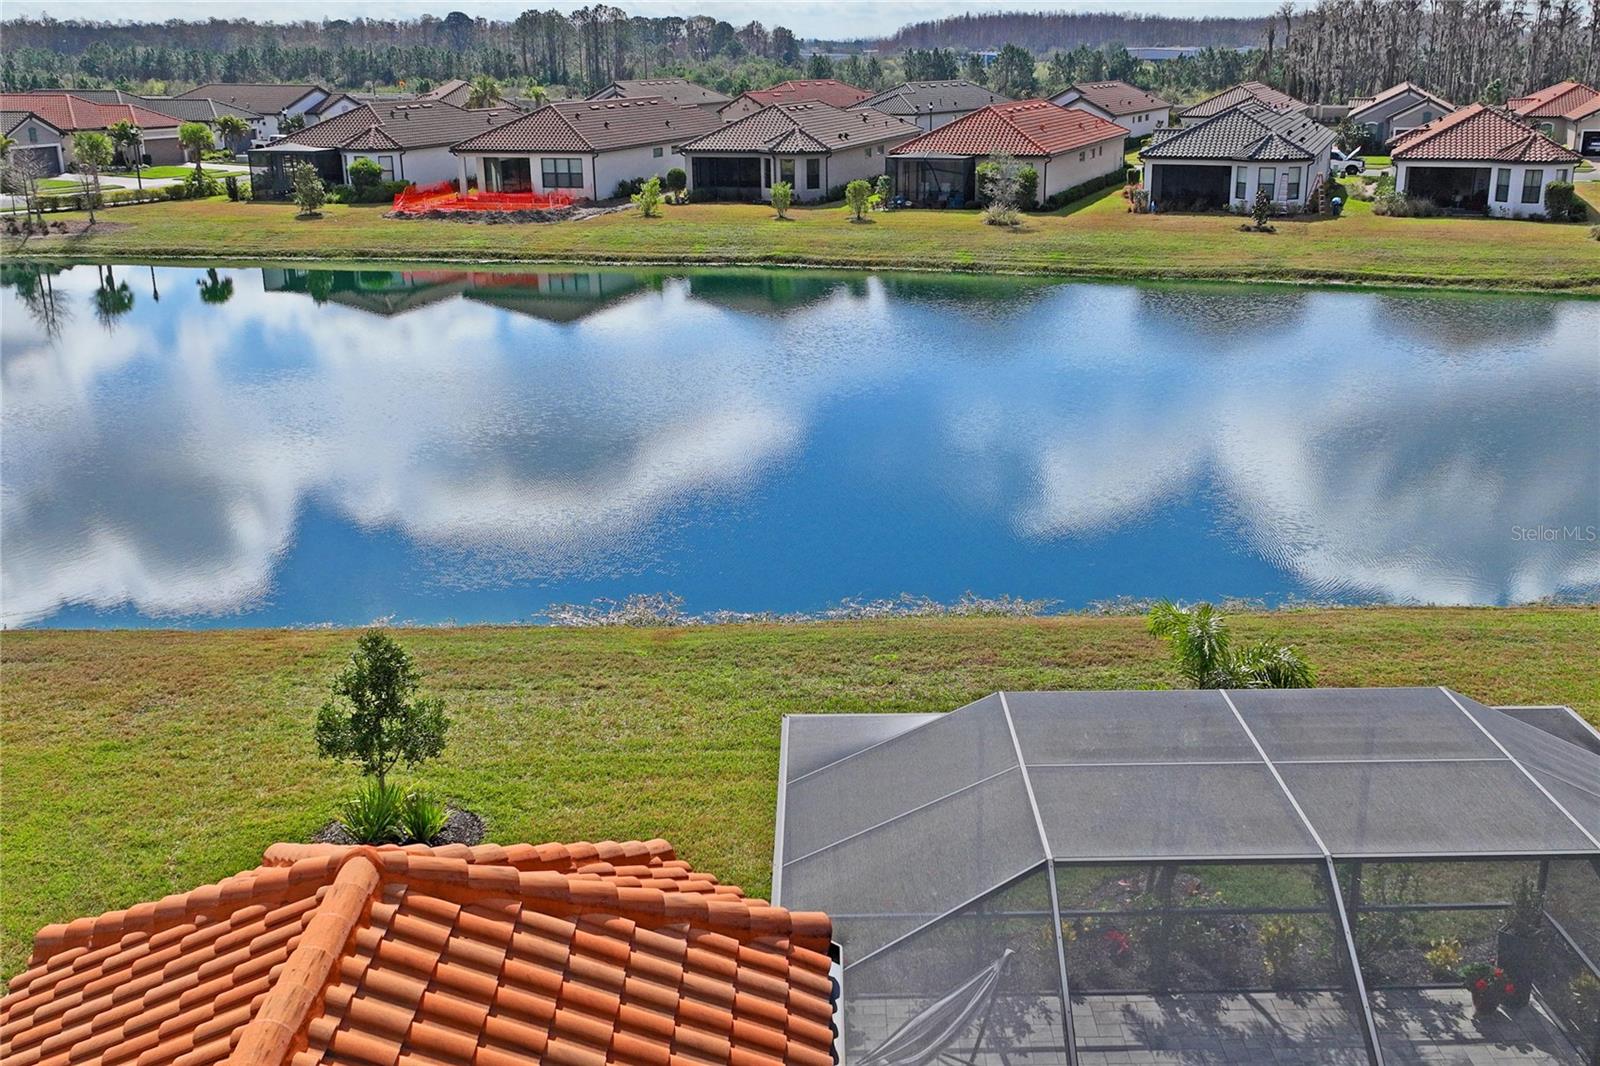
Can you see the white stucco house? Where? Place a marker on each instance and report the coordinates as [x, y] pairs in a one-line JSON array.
[[35, 140], [273, 102], [1225, 159], [1065, 146], [1567, 112], [1482, 158], [1136, 110], [813, 147], [408, 141], [583, 148], [931, 104]]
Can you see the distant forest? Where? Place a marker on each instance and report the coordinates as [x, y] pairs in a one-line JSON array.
[[1045, 31], [1329, 50]]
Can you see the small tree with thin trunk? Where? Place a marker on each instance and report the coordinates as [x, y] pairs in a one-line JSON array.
[[93, 152], [648, 198], [196, 137], [856, 195], [1000, 183], [375, 718], [782, 196], [309, 192], [1261, 210], [129, 140]]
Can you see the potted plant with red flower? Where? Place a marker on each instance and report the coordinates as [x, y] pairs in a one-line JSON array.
[[1487, 985], [1519, 948]]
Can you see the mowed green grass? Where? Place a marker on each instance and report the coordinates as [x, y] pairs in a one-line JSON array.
[[140, 763], [1100, 239]]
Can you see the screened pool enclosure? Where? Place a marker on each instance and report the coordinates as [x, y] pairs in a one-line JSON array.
[[1298, 876]]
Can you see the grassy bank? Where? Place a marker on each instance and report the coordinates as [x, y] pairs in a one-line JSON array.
[[140, 763], [1098, 238]]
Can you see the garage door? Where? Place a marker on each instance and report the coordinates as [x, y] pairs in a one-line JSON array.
[[48, 159], [1591, 143]]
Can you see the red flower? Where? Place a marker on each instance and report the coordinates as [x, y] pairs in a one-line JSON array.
[[1498, 973], [1511, 989], [1119, 940], [1482, 984]]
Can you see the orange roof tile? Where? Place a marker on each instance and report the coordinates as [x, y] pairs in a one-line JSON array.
[[1565, 99], [1477, 133], [1029, 128], [485, 956]]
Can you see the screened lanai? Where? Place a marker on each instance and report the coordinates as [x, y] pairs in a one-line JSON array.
[[1105, 878]]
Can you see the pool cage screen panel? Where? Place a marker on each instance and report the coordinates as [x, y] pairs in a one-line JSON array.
[[1199, 845]]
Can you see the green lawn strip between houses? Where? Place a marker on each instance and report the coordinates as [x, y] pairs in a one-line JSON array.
[[1098, 238], [139, 763]]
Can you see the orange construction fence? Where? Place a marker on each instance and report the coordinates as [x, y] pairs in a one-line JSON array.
[[418, 199]]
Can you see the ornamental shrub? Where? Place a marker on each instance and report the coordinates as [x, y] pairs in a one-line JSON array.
[[782, 196], [365, 174], [856, 195], [374, 717], [422, 817], [1027, 188], [1559, 197], [677, 180], [373, 813], [648, 198]]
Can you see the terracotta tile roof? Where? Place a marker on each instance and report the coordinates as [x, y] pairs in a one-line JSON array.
[[184, 110], [1118, 97], [262, 98], [596, 126], [1567, 99], [673, 90], [1245, 92], [821, 90], [67, 112], [10, 120], [490, 956], [1480, 133], [806, 127], [933, 97], [1026, 128], [1247, 131], [1357, 106]]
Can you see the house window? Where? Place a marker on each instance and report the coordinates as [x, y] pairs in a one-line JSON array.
[[386, 164], [1080, 157], [880, 149], [1502, 185], [561, 173], [1561, 175], [657, 152], [814, 173], [1532, 185], [1266, 179], [1547, 128], [869, 151], [786, 171], [1240, 178], [766, 173], [33, 135], [1294, 183]]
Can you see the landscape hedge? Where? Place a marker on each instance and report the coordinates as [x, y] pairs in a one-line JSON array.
[[1078, 192]]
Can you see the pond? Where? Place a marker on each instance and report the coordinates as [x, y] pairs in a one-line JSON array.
[[295, 447]]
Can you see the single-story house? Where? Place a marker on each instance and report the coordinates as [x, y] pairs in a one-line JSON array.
[[72, 114], [1226, 158], [274, 102], [1396, 111], [1567, 112], [1136, 110], [409, 142], [680, 91], [813, 147], [1482, 158], [495, 955], [584, 148], [1248, 92], [183, 110], [1066, 146], [456, 92], [35, 140], [820, 90], [930, 104]]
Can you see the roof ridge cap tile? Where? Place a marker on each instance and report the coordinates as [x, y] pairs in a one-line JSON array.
[[278, 1029]]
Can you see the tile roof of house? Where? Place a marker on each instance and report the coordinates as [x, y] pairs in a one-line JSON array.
[[596, 126], [822, 90], [329, 101], [1481, 133], [391, 127], [184, 110], [1397, 90], [1026, 128], [673, 90], [1245, 92], [68, 112], [932, 97], [805, 127], [1245, 131], [490, 956], [1566, 99], [1119, 98], [264, 99], [11, 119]]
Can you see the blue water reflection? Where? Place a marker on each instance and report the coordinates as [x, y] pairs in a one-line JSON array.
[[278, 446]]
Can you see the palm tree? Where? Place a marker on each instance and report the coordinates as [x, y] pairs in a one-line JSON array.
[[196, 137], [215, 290], [1199, 640], [233, 129], [537, 93], [129, 141], [484, 92]]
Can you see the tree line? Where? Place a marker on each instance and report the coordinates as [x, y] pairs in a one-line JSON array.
[[1046, 31]]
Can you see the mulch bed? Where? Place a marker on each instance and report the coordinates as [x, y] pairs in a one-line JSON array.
[[461, 826]]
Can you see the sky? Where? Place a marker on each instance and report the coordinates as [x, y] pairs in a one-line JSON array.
[[832, 19]]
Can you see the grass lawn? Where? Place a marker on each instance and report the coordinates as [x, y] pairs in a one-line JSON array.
[[1378, 160], [141, 763], [161, 172], [1098, 238], [61, 183]]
